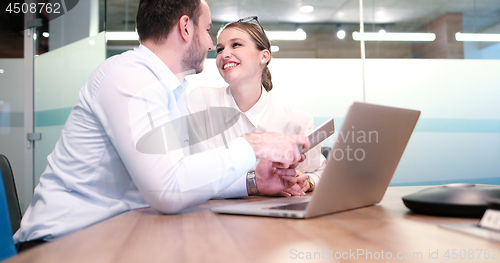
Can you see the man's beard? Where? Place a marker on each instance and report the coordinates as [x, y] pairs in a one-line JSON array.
[[193, 60]]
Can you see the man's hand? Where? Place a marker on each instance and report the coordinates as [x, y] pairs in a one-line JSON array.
[[272, 181], [279, 148]]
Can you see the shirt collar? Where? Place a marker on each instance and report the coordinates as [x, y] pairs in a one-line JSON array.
[[258, 110], [162, 72]]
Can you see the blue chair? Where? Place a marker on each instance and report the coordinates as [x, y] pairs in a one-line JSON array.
[[9, 186], [7, 248]]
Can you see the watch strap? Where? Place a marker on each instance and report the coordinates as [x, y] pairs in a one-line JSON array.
[[251, 183], [310, 180]]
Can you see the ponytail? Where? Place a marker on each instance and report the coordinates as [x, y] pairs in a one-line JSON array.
[[266, 79]]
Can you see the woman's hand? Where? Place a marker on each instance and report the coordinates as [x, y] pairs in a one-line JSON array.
[[298, 189]]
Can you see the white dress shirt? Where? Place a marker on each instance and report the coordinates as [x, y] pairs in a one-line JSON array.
[[268, 115], [96, 170]]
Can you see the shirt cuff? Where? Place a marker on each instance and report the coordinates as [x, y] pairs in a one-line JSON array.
[[242, 154], [237, 189]]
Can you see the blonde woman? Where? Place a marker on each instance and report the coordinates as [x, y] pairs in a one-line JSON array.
[[243, 56]]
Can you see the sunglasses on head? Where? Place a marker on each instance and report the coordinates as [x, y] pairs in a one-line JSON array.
[[250, 19]]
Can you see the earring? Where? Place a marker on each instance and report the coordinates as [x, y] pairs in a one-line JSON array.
[[262, 61]]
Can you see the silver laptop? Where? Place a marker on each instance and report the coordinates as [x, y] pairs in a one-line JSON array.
[[360, 165]]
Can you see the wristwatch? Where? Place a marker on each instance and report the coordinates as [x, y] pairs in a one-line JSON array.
[[251, 184], [310, 180]]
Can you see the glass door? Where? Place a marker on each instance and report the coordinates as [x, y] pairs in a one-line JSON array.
[[59, 75], [70, 48]]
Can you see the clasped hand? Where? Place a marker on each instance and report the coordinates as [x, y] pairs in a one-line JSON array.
[[278, 155], [272, 180]]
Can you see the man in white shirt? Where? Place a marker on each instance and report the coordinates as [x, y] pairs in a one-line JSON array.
[[96, 170]]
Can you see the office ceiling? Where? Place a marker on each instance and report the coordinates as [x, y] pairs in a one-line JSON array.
[[403, 15]]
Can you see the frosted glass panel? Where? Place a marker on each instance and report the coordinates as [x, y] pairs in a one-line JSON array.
[[458, 135], [59, 75], [12, 138], [457, 138], [445, 89]]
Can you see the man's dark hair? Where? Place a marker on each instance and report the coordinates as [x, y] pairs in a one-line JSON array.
[[156, 18]]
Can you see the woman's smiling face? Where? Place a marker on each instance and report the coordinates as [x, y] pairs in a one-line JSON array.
[[238, 58]]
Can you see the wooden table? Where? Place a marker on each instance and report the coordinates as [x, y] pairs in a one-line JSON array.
[[385, 230]]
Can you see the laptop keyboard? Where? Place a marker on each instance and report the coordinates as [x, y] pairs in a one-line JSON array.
[[297, 206]]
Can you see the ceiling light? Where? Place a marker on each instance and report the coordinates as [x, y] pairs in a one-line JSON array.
[[299, 34], [34, 36], [341, 34], [394, 36], [306, 9], [382, 29], [46, 34], [122, 36], [275, 49], [477, 37]]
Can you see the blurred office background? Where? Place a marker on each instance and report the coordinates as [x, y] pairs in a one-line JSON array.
[[452, 78]]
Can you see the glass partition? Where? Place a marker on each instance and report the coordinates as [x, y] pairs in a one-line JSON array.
[[397, 28], [59, 75], [12, 137], [68, 48], [457, 138], [120, 17], [453, 82], [450, 77]]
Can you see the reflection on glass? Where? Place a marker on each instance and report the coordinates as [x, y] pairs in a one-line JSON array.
[[329, 26]]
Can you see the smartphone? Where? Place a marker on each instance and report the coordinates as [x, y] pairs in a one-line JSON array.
[[319, 134]]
